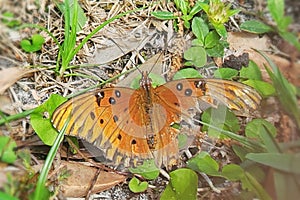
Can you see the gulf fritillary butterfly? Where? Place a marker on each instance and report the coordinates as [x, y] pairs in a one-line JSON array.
[[130, 126]]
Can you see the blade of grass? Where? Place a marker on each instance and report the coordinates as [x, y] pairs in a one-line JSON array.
[[70, 34], [99, 28], [285, 91], [256, 146], [39, 190]]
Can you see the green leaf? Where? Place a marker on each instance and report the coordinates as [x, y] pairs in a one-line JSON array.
[[221, 118], [195, 9], [211, 39], [263, 131], [276, 8], [251, 72], [256, 126], [195, 56], [186, 73], [136, 186], [7, 153], [183, 5], [204, 6], [183, 185], [5, 196], [291, 38], [40, 119], [286, 185], [250, 183], [232, 12], [9, 20], [81, 18], [148, 170], [182, 140], [164, 15], [217, 50], [226, 73], [35, 44], [41, 192], [157, 80], [186, 24], [240, 151], [204, 163], [286, 93], [254, 26], [285, 162], [200, 29], [268, 140], [221, 30], [233, 172], [264, 89]]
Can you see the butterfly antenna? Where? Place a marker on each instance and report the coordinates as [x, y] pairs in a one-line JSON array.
[[165, 37], [124, 54]]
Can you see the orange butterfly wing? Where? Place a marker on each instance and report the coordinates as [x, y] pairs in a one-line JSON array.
[[117, 121], [212, 92], [133, 125], [97, 117]]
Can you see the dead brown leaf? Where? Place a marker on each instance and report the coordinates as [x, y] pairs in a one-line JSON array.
[[245, 42], [8, 76], [78, 184]]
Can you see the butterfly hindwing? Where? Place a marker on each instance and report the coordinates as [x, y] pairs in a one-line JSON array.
[[194, 92]]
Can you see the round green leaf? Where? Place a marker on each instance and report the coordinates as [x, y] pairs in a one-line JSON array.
[[187, 73], [221, 118], [136, 186], [233, 172], [41, 116], [195, 56], [183, 185], [251, 72], [148, 170], [157, 80], [226, 73], [35, 44], [203, 162], [217, 50], [7, 153]]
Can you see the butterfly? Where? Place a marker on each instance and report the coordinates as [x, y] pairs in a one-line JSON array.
[[133, 125]]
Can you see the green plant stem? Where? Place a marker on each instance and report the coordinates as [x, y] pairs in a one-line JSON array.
[[16, 116], [38, 193]]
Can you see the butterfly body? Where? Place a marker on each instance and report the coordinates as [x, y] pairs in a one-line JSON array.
[[130, 126]]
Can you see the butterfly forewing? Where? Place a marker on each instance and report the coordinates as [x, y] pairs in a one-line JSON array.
[[130, 126]]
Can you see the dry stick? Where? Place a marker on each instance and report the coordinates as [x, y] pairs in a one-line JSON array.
[[93, 182]]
